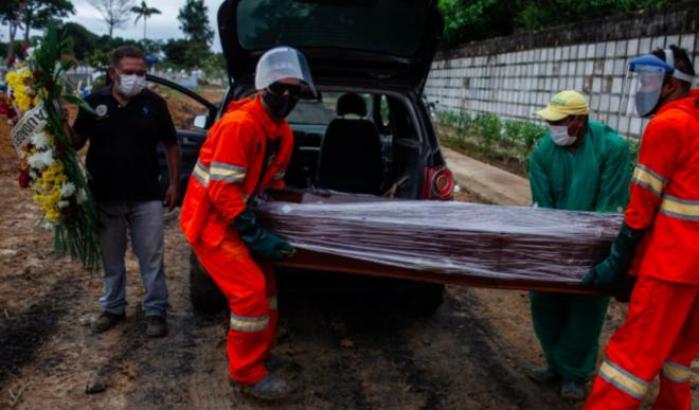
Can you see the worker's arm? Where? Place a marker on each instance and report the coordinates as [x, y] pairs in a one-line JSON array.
[[658, 157], [232, 144], [613, 191], [539, 181], [657, 160], [277, 183]]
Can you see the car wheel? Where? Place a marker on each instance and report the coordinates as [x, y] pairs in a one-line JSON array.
[[203, 292]]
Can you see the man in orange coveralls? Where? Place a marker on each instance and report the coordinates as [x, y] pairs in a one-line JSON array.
[[660, 235], [246, 152]]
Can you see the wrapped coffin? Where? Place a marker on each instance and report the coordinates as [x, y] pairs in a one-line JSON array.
[[445, 242]]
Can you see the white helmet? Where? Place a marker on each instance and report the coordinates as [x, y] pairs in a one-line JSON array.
[[280, 63]]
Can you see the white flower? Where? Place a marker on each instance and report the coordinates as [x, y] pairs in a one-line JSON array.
[[67, 189], [40, 140], [82, 196], [41, 160], [63, 204]]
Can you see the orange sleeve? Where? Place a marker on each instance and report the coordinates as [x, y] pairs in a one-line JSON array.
[[657, 161], [232, 145]]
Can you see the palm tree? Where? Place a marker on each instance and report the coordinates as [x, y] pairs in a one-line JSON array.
[[146, 12]]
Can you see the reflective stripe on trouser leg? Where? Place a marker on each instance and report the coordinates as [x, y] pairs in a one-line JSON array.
[[623, 379], [676, 372], [248, 323], [675, 390], [244, 284], [654, 328]]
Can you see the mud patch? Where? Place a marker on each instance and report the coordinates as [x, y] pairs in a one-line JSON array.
[[23, 334]]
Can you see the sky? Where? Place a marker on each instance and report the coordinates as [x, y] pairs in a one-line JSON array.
[[160, 26]]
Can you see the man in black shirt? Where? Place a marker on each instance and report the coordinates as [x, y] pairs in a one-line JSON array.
[[128, 123]]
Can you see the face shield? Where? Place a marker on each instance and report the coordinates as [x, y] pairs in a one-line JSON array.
[[642, 89], [644, 81], [282, 63]]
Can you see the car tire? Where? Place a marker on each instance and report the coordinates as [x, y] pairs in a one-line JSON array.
[[203, 293], [421, 298]]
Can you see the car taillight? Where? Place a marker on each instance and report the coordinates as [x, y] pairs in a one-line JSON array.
[[438, 184]]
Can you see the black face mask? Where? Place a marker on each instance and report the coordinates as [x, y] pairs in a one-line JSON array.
[[279, 105]]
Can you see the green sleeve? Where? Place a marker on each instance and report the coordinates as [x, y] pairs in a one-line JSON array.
[[614, 184], [539, 181]]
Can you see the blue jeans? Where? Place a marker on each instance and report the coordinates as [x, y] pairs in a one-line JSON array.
[[144, 221]]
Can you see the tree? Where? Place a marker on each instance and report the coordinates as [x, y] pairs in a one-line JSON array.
[[194, 22], [145, 12], [185, 53], [82, 41], [10, 15], [115, 13], [38, 13]]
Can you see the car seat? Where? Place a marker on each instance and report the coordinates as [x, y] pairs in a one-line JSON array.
[[350, 154]]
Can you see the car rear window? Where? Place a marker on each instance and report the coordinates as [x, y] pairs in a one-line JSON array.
[[384, 26], [321, 112]]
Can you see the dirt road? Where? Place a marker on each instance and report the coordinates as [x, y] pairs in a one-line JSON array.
[[340, 349]]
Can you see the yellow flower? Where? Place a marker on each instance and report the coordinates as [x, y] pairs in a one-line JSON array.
[[47, 191]]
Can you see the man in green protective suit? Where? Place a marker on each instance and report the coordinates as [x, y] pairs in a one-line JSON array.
[[578, 165]]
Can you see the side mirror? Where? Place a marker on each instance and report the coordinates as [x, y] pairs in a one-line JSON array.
[[200, 121]]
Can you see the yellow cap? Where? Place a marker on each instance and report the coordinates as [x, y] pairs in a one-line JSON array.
[[563, 104]]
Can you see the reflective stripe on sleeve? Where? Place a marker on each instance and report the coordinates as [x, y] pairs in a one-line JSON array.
[[680, 208], [225, 172], [676, 372], [279, 175], [647, 178], [623, 380], [201, 173], [248, 324]]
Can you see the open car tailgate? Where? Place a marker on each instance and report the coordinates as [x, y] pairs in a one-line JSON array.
[[444, 242]]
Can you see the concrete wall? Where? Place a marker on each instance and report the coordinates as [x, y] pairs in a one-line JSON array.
[[514, 76]]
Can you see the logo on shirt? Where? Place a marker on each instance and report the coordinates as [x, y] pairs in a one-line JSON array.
[[101, 110]]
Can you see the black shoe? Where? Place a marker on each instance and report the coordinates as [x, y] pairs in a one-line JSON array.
[[543, 375], [269, 389], [106, 321], [573, 391], [156, 326]]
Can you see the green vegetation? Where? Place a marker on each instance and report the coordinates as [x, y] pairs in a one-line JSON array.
[[466, 20], [485, 136]]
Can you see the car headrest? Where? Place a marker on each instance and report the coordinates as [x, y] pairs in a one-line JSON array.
[[351, 103]]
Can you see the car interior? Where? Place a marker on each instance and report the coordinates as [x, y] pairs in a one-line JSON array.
[[354, 142]]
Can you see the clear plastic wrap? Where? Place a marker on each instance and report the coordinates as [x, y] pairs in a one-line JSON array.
[[496, 243]]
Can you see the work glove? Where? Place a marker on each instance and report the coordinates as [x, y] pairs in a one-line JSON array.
[[611, 273], [262, 243]]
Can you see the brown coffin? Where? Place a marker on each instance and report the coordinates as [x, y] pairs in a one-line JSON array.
[[443, 242]]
